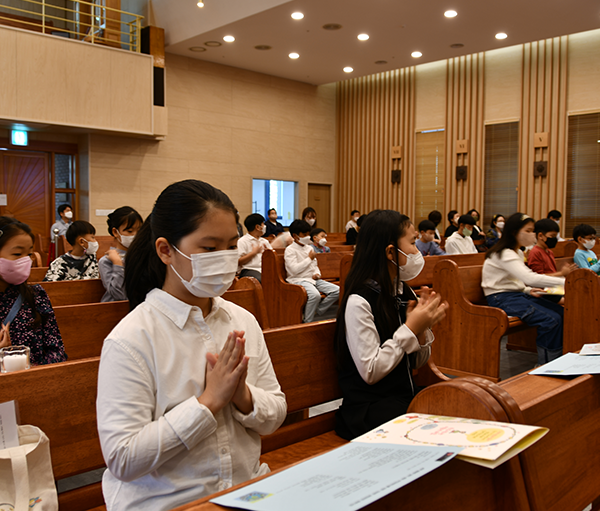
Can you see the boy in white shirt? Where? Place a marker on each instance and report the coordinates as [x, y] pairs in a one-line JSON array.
[[251, 246], [355, 215], [460, 242], [302, 269]]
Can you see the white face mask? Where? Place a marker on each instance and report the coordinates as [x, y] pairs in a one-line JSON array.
[[263, 229], [212, 272], [526, 239], [92, 247], [412, 268], [589, 244], [500, 225], [69, 214], [310, 221], [355, 218], [304, 241], [323, 242], [126, 241]]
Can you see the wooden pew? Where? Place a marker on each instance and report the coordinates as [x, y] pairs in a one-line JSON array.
[[37, 274], [74, 292], [247, 292], [285, 301], [564, 248], [582, 310], [469, 336], [329, 265]]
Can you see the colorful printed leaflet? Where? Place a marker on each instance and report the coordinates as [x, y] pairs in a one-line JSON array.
[[590, 349], [345, 479], [484, 443], [558, 290]]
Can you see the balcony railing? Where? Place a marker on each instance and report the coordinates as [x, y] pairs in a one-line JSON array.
[[94, 21]]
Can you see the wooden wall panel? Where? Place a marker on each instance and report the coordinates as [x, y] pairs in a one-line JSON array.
[[464, 121], [374, 114], [544, 110]]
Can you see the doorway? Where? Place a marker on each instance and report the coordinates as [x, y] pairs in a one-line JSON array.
[[319, 198]]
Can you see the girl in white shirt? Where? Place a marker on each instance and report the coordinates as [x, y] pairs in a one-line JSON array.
[[186, 386], [511, 286], [382, 333]]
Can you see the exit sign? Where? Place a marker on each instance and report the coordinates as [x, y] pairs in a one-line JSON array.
[[18, 137]]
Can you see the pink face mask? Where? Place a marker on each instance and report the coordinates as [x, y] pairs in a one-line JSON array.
[[15, 271]]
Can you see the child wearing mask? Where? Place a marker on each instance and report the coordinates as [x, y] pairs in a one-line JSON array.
[[26, 311], [511, 286], [186, 387], [354, 216], [494, 233], [318, 237], [453, 217], [80, 262], [461, 242], [585, 257], [383, 331], [302, 269], [123, 225], [541, 258], [251, 246], [426, 243], [66, 218]]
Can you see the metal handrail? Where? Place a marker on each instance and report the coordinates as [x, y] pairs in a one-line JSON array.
[[94, 31]]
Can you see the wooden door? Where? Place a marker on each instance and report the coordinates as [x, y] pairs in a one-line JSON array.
[[24, 179], [319, 198]]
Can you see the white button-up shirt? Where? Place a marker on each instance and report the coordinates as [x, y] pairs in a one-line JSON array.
[[298, 265], [162, 447], [246, 245]]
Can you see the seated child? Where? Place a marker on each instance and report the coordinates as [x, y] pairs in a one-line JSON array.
[[460, 241], [426, 244], [585, 257], [302, 268], [541, 258], [80, 262], [319, 241], [25, 309], [251, 246]]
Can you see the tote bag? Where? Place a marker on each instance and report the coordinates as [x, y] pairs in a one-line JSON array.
[[26, 479]]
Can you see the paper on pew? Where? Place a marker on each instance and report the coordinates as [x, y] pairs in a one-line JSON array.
[[484, 443], [570, 364], [590, 349], [557, 290]]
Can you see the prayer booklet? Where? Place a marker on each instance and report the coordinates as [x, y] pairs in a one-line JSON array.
[[590, 349], [570, 364], [484, 443]]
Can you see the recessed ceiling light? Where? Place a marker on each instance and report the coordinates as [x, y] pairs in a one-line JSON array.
[[379, 62], [362, 37], [457, 45], [262, 47], [228, 38], [501, 35], [294, 55], [297, 15], [348, 69], [416, 54], [200, 4], [197, 48], [212, 44], [332, 26], [450, 14]]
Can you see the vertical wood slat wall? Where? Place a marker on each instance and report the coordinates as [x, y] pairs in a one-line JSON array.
[[375, 113], [544, 110], [464, 121]]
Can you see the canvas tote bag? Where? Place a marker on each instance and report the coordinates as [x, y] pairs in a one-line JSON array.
[[26, 479]]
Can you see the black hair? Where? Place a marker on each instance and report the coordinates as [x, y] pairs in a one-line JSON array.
[[361, 219], [451, 215], [495, 219], [62, 208], [253, 220], [466, 219], [513, 225], [582, 230], [178, 211], [316, 232], [545, 225], [299, 226], [272, 209], [554, 214], [9, 228], [79, 228], [426, 225], [471, 211], [354, 211], [435, 216], [380, 229], [123, 215]]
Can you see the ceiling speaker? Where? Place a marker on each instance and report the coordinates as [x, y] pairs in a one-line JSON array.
[[461, 173], [540, 168]]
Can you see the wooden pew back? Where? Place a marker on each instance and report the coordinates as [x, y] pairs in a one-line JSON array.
[[74, 292], [37, 274], [248, 294], [582, 310], [329, 265]]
